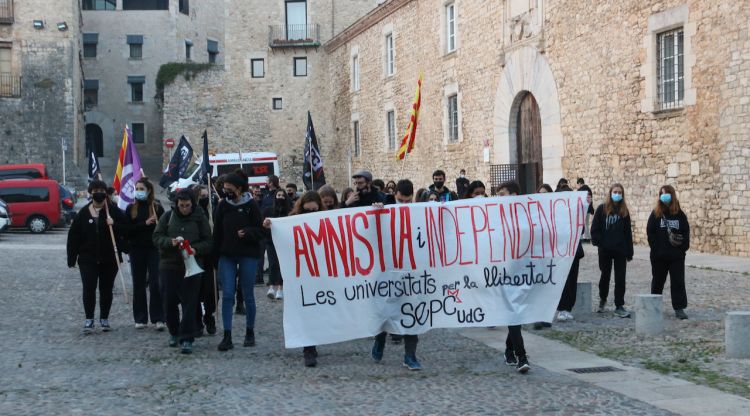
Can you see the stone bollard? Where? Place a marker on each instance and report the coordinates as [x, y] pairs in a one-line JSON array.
[[648, 314], [583, 299], [737, 334]]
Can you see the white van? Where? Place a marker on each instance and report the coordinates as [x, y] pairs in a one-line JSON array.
[[257, 165]]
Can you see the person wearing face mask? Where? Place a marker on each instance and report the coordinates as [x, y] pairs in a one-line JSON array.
[[308, 203], [90, 246], [404, 195], [279, 209], [668, 233], [612, 234], [143, 215], [364, 194], [462, 184], [475, 189], [438, 186], [185, 223], [329, 197], [238, 240], [208, 291], [291, 192]]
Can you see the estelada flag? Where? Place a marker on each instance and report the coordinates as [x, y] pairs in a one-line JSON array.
[[407, 142]]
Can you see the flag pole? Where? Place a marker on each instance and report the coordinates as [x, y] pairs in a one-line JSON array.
[[117, 259], [312, 173], [211, 225]]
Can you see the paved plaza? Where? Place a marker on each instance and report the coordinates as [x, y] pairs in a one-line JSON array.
[[48, 367]]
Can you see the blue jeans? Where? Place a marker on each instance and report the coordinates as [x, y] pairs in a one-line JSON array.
[[227, 273]]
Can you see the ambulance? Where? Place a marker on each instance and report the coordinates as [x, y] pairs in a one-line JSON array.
[[256, 165]]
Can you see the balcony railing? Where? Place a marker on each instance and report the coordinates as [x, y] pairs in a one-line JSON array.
[[294, 36], [6, 12], [10, 85]]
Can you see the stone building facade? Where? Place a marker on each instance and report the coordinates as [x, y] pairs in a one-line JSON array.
[[41, 110], [643, 93], [274, 56], [125, 42]]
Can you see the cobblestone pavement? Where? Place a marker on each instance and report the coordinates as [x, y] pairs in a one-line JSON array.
[[691, 349], [48, 367]]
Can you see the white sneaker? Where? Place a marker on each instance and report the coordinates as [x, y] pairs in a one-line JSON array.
[[561, 316], [279, 295], [139, 325], [271, 293], [160, 326], [569, 316]]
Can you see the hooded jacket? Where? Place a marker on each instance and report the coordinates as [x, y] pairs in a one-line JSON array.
[[446, 195], [612, 233], [231, 217], [192, 227], [658, 238]]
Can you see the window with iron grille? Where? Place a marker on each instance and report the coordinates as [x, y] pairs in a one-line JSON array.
[[139, 132], [670, 69], [453, 118], [450, 29], [391, 122], [357, 149], [136, 90], [136, 51]]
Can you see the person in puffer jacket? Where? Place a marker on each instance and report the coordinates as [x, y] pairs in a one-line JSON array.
[[668, 257], [612, 233]]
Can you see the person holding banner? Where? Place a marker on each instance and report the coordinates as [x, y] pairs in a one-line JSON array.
[[238, 239], [143, 214], [475, 189], [309, 202], [404, 195], [612, 233], [90, 245], [185, 228], [329, 198], [279, 209], [515, 353], [438, 186]]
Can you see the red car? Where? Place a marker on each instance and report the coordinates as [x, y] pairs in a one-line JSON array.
[[34, 203], [23, 171]]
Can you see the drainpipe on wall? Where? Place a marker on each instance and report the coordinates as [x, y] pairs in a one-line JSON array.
[[333, 18]]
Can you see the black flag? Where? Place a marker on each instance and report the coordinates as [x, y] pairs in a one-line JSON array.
[[93, 165], [312, 170], [204, 169], [179, 163]]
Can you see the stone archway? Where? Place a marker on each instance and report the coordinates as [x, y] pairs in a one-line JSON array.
[[527, 72]]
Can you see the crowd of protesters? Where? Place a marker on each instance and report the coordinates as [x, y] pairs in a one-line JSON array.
[[227, 230]]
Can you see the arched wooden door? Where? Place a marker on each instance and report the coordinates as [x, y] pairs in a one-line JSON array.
[[529, 144]]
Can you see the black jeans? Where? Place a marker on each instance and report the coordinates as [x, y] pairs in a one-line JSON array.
[[514, 341], [410, 343], [208, 293], [606, 258], [261, 263], [676, 270], [144, 265], [184, 291], [274, 278], [103, 275], [568, 298]]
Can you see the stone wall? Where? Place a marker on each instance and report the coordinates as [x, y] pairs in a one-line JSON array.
[[49, 109]]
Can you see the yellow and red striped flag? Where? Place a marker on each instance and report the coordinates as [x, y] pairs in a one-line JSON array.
[[120, 161], [407, 142]]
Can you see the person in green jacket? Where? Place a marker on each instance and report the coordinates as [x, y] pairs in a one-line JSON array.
[[186, 222]]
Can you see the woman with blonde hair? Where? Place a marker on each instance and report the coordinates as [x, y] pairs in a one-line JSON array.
[[612, 233], [668, 233]]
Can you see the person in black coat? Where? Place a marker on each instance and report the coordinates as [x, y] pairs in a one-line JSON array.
[[365, 194], [142, 216], [90, 246], [280, 208], [209, 289], [612, 233], [238, 241], [668, 254]]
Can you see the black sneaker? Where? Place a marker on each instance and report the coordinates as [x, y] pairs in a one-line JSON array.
[[186, 347], [680, 314], [523, 365], [377, 351], [310, 356], [240, 309], [88, 326], [226, 342], [602, 303], [173, 341], [621, 312], [105, 325], [249, 338], [510, 358], [210, 323]]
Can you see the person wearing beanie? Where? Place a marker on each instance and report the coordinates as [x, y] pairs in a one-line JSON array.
[[238, 241]]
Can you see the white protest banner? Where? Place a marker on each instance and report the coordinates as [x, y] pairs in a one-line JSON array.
[[405, 269]]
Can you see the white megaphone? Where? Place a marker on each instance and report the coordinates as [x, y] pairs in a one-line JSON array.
[[191, 266]]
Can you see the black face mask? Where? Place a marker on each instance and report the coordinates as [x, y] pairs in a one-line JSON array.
[[438, 184], [291, 194], [99, 197], [203, 202], [330, 207], [230, 195]]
